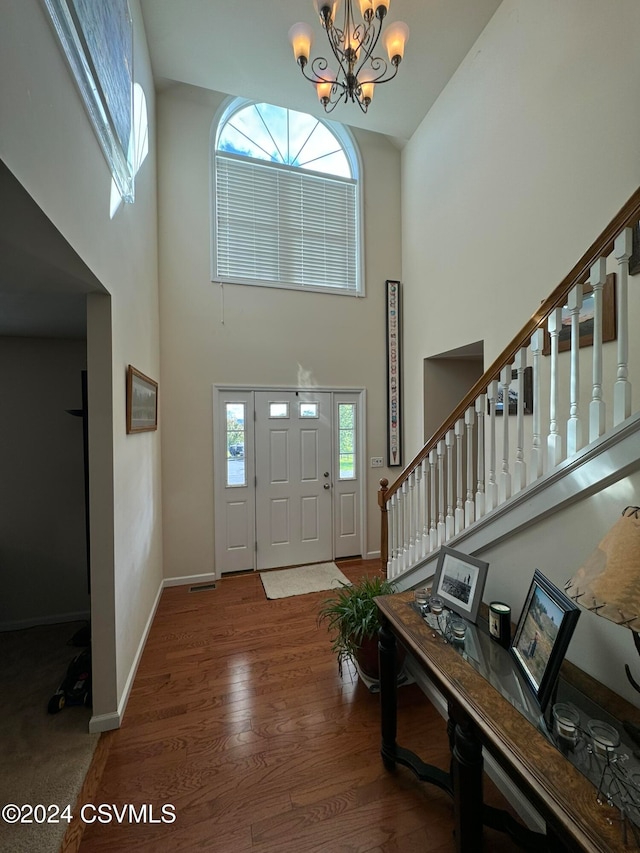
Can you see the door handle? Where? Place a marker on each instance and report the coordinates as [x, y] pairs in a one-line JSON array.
[[326, 486]]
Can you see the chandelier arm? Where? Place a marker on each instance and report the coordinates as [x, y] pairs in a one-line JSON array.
[[369, 50]]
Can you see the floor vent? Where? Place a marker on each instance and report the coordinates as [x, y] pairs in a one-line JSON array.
[[203, 587]]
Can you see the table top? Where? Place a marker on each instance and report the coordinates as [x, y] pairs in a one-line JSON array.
[[511, 728]]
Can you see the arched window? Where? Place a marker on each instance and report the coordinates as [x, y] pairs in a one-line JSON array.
[[286, 201]]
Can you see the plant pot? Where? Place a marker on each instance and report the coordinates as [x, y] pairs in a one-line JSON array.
[[367, 658]]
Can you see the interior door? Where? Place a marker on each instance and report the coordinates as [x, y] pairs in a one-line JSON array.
[[294, 504]]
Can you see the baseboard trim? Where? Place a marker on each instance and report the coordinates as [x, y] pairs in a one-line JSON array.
[[207, 577], [373, 555], [104, 722], [494, 771], [52, 619]]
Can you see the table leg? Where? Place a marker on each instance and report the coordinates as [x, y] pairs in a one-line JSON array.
[[388, 694], [466, 772]]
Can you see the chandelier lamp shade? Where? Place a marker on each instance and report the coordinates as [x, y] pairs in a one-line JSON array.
[[354, 69]]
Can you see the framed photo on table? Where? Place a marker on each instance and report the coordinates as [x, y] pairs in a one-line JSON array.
[[459, 581], [542, 636]]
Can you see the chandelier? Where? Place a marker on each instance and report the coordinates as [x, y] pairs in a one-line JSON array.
[[353, 45]]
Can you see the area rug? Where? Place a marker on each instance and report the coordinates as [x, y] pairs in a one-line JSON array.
[[301, 580]]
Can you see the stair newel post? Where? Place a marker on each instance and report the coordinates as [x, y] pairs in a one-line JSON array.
[[424, 466], [492, 486], [537, 456], [574, 424], [597, 407], [385, 564], [405, 562], [469, 506], [481, 402], [442, 537], [449, 442], [622, 387], [459, 514], [554, 439], [433, 530], [505, 475], [393, 535], [417, 553]]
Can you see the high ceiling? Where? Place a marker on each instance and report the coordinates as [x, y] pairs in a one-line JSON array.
[[242, 49]]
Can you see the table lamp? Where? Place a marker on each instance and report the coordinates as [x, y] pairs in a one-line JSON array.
[[608, 583]]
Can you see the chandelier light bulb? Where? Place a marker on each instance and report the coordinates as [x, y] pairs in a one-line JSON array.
[[395, 38], [301, 38]]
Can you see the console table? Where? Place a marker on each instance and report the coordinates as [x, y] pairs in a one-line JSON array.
[[481, 716]]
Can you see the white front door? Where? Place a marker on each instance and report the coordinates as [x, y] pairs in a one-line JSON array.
[[293, 434]]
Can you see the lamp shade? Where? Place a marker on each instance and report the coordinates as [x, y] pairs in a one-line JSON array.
[[301, 38], [395, 37], [324, 86], [608, 583]]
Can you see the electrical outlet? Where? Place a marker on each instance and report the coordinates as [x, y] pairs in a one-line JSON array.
[[376, 462]]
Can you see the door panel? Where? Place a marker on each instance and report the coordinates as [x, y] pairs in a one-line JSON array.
[[293, 452], [235, 498]]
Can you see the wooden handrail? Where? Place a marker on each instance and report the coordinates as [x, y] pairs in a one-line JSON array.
[[627, 216]]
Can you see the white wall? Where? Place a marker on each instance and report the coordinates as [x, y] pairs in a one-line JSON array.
[[251, 335], [526, 156], [47, 141], [524, 159], [43, 562]]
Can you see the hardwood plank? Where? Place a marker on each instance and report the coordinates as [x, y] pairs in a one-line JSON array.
[[240, 719]]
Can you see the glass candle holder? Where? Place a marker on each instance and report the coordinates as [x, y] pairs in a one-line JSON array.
[[436, 605], [604, 738], [458, 629], [421, 597], [566, 721]]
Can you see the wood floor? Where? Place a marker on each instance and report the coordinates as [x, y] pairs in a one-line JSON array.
[[239, 719]]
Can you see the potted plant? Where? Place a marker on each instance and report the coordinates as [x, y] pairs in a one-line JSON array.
[[351, 616]]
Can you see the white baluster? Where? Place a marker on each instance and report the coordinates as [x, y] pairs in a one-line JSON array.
[[442, 530], [412, 518], [574, 424], [469, 506], [459, 514], [597, 407], [400, 497], [537, 457], [449, 441], [505, 476], [520, 466], [481, 402], [554, 439], [433, 530], [622, 388], [492, 486], [406, 557], [424, 467]]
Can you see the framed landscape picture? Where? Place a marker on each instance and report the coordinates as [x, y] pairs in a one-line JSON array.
[[545, 627], [142, 402], [459, 581]]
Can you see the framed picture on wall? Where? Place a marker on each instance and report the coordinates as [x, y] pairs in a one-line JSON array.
[[394, 375], [142, 402], [609, 325]]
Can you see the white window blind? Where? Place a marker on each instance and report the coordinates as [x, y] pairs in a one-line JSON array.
[[283, 225]]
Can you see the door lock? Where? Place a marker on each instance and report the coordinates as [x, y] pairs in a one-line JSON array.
[[326, 473]]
